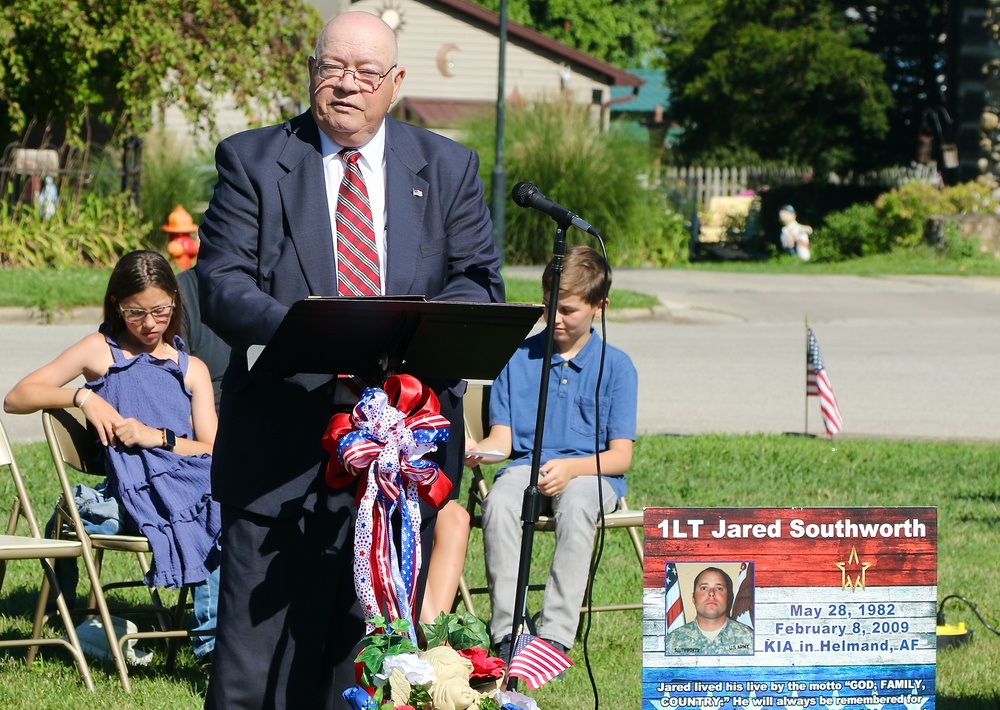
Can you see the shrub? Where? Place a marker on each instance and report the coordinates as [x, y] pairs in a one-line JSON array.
[[846, 234], [555, 146], [901, 214], [904, 210], [956, 245], [90, 230], [897, 219]]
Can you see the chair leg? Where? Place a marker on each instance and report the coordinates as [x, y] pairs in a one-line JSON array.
[[101, 605], [178, 623], [154, 595], [465, 596], [588, 600], [636, 544], [74, 641], [11, 530], [98, 564], [40, 615]]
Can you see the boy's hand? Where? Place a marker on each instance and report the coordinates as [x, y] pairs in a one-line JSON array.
[[471, 459], [493, 449], [554, 475]]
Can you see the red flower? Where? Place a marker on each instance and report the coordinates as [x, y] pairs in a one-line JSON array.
[[483, 665]]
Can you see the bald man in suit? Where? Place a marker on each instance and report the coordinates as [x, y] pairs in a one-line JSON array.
[[289, 620]]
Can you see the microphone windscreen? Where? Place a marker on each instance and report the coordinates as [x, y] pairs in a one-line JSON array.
[[522, 193]]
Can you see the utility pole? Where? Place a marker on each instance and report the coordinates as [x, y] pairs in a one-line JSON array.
[[498, 204]]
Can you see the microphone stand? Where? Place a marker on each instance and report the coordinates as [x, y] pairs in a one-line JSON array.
[[532, 502]]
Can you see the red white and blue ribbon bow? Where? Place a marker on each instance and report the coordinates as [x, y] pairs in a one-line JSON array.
[[381, 443]]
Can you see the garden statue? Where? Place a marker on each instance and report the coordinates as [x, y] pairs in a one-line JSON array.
[[48, 198], [794, 236], [450, 689]]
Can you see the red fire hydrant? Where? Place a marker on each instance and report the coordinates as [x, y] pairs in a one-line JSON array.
[[183, 244]]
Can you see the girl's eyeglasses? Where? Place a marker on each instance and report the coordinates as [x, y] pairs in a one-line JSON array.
[[135, 316]]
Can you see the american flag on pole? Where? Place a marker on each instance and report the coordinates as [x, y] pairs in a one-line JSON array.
[[536, 661], [742, 609], [675, 608], [818, 385]]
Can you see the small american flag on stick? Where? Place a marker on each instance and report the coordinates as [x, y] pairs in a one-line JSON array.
[[818, 385], [536, 661]]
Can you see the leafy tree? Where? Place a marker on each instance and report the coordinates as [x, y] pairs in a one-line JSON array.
[[626, 33], [784, 81], [909, 37], [66, 63]]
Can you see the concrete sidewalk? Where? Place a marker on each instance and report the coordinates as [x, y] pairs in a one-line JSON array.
[[907, 356]]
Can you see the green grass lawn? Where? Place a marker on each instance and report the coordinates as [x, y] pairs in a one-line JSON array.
[[961, 479], [51, 291], [924, 260]]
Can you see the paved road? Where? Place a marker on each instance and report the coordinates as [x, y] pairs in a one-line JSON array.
[[907, 356], [24, 347]]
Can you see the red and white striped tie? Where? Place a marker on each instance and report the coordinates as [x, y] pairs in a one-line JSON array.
[[357, 255]]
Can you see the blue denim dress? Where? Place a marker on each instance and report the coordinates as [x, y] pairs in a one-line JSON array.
[[167, 496]]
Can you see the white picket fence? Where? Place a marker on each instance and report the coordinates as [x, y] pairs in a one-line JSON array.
[[702, 183]]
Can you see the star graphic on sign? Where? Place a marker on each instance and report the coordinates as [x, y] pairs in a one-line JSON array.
[[836, 701], [915, 702], [845, 577]]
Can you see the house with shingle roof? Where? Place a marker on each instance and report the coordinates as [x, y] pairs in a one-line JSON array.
[[450, 50]]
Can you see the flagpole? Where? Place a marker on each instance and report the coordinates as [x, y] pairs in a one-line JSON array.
[[805, 431]]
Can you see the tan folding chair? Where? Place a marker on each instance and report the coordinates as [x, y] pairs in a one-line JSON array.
[[74, 448], [33, 546], [476, 407]]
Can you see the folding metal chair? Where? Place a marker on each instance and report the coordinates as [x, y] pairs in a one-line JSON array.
[[476, 405], [33, 546], [74, 448]]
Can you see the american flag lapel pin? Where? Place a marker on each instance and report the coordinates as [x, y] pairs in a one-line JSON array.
[[418, 192]]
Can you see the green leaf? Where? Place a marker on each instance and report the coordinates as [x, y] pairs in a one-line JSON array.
[[436, 632], [121, 61], [457, 631]]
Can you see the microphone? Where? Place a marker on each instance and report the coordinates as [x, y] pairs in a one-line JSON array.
[[525, 194]]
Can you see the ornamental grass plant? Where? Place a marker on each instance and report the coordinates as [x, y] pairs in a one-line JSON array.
[[962, 479], [556, 146], [95, 220], [172, 174]]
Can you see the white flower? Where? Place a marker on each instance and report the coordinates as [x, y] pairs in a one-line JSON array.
[[416, 670], [515, 698]]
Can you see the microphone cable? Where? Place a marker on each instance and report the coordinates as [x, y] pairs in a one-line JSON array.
[[599, 544]]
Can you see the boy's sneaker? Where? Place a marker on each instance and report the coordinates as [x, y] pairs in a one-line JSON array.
[[502, 648], [556, 644]]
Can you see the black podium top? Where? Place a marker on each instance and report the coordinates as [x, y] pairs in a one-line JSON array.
[[378, 336]]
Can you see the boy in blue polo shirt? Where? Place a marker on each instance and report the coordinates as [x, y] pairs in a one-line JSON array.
[[568, 468]]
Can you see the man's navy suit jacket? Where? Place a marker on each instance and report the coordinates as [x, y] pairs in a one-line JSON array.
[[267, 242]]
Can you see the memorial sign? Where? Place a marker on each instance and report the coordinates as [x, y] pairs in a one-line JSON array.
[[820, 607]]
